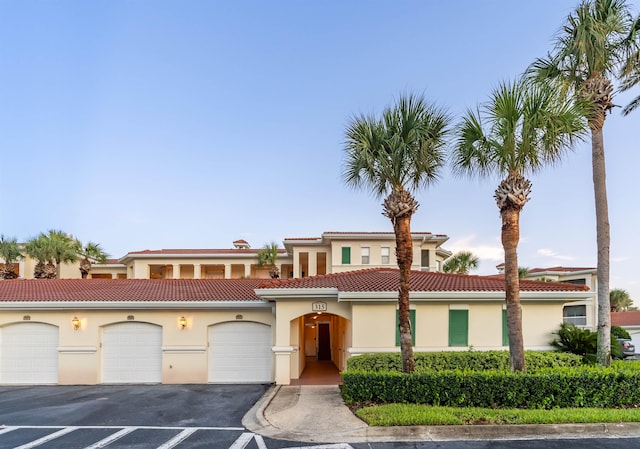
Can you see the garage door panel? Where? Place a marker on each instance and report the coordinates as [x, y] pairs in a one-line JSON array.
[[29, 354], [132, 353], [240, 352]]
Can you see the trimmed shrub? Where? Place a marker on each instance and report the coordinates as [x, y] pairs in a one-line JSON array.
[[545, 388], [467, 360]]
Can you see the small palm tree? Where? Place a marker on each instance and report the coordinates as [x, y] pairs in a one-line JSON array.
[[37, 248], [62, 248], [393, 156], [461, 263], [267, 257], [620, 300], [91, 252], [521, 129], [10, 253], [598, 43]]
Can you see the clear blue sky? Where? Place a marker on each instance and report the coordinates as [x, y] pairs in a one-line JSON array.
[[190, 124]]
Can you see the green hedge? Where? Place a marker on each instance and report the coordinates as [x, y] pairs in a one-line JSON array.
[[465, 360], [559, 387]]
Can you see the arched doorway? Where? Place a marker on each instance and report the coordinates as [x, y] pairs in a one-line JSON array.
[[325, 338]]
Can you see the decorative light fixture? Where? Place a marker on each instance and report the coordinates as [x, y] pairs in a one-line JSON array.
[[75, 322], [182, 322]]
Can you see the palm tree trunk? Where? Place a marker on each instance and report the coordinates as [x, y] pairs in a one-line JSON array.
[[603, 241], [404, 255], [510, 237]]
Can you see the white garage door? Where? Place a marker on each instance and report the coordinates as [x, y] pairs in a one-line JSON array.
[[132, 353], [240, 352], [29, 354]]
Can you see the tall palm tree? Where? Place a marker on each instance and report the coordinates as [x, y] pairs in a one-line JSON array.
[[267, 257], [91, 252], [593, 47], [10, 253], [394, 156], [522, 128], [461, 263], [630, 75]]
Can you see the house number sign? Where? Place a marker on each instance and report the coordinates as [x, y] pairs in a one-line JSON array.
[[319, 306]]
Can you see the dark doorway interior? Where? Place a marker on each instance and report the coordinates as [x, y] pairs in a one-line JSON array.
[[324, 342]]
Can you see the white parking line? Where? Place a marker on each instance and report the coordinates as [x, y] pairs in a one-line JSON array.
[[7, 429], [111, 438], [177, 439], [242, 441], [46, 438]]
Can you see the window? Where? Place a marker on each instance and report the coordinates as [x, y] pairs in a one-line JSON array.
[[424, 259], [384, 254], [412, 320], [505, 329], [575, 315], [458, 328], [365, 255], [346, 255]]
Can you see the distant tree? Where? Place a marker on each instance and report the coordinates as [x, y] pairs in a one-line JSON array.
[[523, 272], [10, 253], [90, 253], [393, 156], [461, 263], [267, 257], [620, 300], [37, 248], [620, 332], [62, 248]]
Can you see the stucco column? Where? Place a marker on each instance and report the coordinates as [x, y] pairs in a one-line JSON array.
[[296, 264], [227, 271], [283, 364], [279, 267], [176, 271], [313, 263], [247, 270], [196, 271]]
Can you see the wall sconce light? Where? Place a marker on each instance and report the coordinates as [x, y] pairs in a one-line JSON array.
[[182, 322], [75, 322]]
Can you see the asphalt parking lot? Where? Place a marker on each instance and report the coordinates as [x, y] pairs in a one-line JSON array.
[[137, 416]]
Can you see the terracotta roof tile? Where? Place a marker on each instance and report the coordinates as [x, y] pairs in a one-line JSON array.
[[129, 290], [560, 269], [631, 318], [166, 252], [386, 279]]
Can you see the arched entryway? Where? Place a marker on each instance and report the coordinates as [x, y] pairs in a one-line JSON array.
[[324, 338]]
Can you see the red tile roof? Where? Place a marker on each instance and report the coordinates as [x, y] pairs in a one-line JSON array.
[[386, 279], [199, 251], [631, 318], [559, 269], [129, 290]]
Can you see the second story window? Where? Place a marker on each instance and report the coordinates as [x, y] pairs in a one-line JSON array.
[[384, 255], [365, 255], [346, 255]]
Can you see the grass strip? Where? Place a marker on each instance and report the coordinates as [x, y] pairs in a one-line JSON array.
[[425, 415]]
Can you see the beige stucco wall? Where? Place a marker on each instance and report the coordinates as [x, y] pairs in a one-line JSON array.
[[184, 354]]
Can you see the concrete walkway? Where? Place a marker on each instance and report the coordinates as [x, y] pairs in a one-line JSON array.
[[317, 413]]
